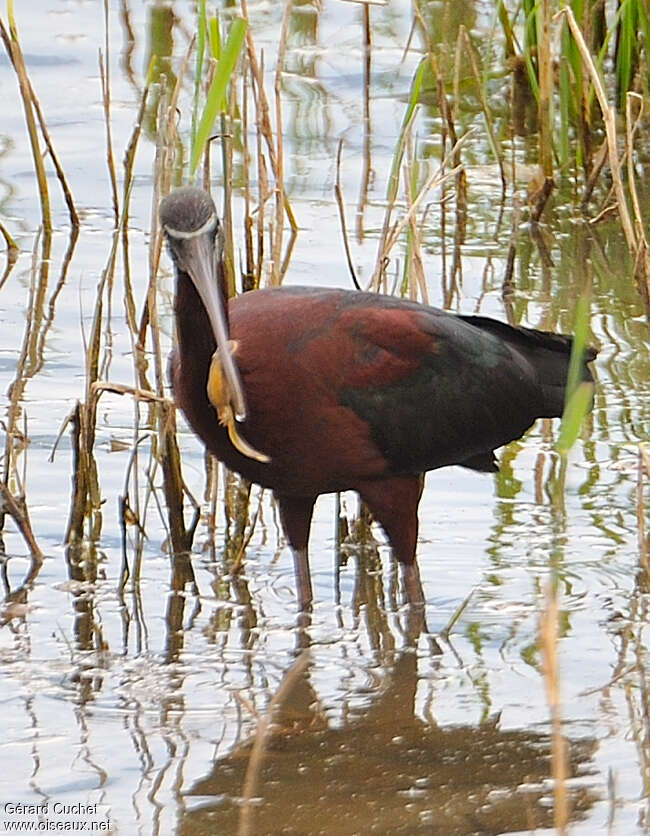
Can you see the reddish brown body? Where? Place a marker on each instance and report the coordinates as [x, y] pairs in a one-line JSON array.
[[347, 390], [300, 351]]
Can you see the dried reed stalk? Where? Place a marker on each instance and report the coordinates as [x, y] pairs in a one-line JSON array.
[[104, 75], [643, 476], [559, 762], [12, 45], [495, 145], [414, 266], [246, 825], [279, 172], [279, 264], [609, 118], [16, 507], [545, 78], [129, 162], [636, 242], [249, 274], [86, 499], [338, 193], [167, 443], [29, 363], [392, 234], [65, 188], [367, 168], [631, 124]]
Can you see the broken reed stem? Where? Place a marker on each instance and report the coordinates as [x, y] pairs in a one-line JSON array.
[[100, 386], [16, 507], [559, 768], [246, 825]]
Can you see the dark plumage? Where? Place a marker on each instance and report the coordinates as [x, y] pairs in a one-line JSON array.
[[348, 390]]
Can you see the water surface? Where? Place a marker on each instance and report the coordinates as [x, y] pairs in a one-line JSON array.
[[146, 703]]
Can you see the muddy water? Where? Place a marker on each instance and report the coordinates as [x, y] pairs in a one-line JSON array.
[[138, 710]]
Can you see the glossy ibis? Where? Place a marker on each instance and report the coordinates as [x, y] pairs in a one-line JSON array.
[[315, 390]]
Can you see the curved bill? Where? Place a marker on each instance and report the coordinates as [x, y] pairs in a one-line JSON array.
[[199, 261]]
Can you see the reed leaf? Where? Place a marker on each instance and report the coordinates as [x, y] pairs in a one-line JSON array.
[[217, 92], [214, 33], [531, 11], [581, 330], [578, 394], [575, 411], [626, 46], [414, 97], [506, 25]]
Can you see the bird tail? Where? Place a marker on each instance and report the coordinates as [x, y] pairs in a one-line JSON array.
[[549, 355]]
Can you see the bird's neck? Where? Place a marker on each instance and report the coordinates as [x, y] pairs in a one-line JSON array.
[[196, 340]]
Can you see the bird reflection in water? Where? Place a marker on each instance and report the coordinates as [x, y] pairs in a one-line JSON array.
[[382, 768]]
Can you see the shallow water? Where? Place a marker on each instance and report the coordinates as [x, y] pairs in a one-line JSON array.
[[145, 704]]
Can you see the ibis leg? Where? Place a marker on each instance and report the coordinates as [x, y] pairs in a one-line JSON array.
[[394, 503], [295, 512], [412, 583], [303, 578]]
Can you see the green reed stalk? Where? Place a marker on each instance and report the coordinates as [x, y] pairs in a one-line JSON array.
[[578, 394], [217, 92]]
